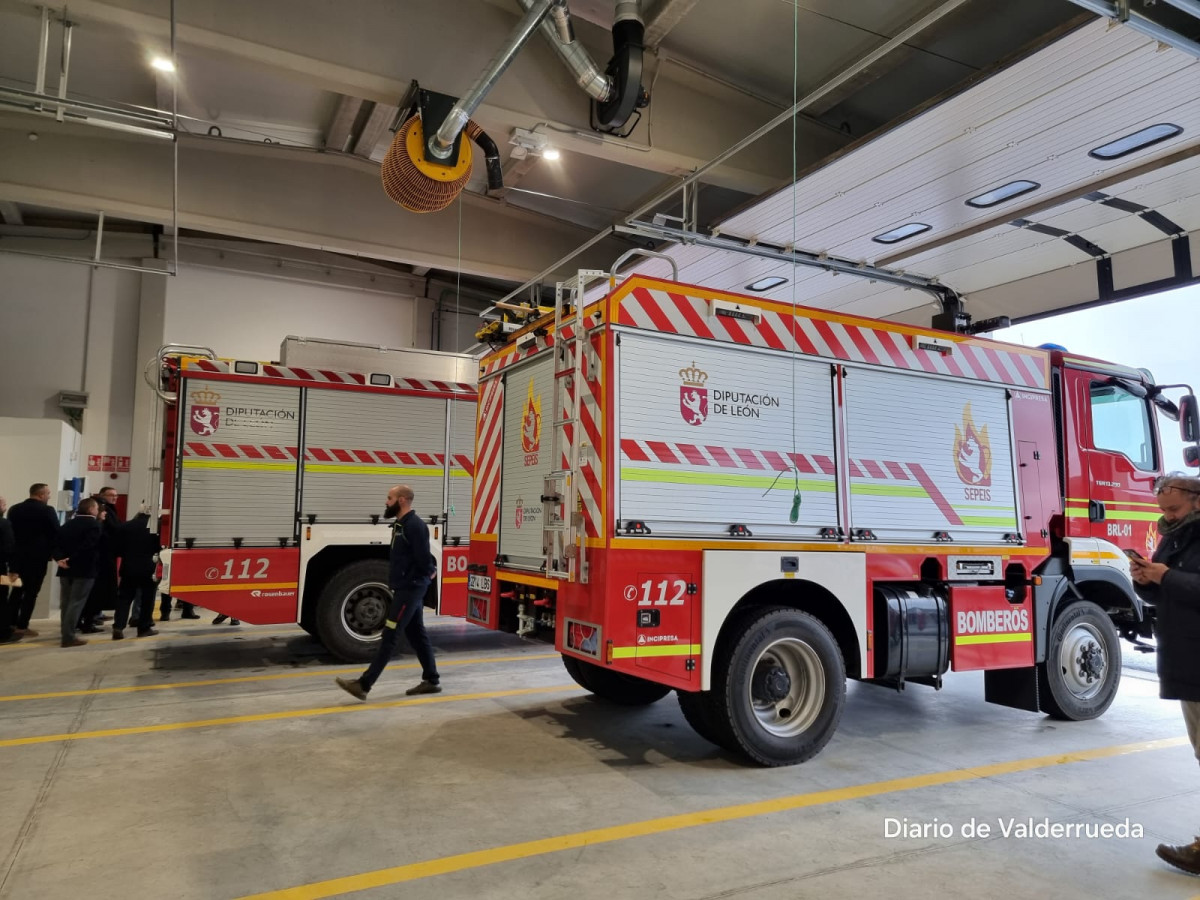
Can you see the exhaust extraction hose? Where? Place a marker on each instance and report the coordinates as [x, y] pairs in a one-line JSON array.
[[424, 185]]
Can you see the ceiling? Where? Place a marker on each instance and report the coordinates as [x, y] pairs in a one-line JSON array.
[[285, 108]]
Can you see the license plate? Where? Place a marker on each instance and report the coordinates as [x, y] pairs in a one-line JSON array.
[[481, 583]]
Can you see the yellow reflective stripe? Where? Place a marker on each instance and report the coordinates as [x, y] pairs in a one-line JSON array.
[[389, 624], [531, 580], [887, 490], [229, 586], [994, 639], [656, 650], [189, 463], [781, 483], [403, 471], [1108, 503], [1094, 554], [454, 581], [1119, 515], [1006, 521]]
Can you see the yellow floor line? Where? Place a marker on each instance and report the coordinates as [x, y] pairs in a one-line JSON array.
[[286, 714], [308, 673], [479, 858]]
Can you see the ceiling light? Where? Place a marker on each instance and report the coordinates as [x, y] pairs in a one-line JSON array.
[[899, 234], [162, 64], [1135, 141], [765, 284], [1002, 193], [550, 153]]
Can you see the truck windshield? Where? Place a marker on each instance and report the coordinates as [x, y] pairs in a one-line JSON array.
[[1121, 423]]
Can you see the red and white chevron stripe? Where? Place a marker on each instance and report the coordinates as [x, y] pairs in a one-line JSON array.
[[257, 452], [485, 506], [658, 309], [327, 376], [591, 462], [770, 461], [354, 457]]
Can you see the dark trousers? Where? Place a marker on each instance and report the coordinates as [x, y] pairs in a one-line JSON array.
[[139, 591], [404, 614], [164, 607], [104, 592], [7, 613], [24, 598], [75, 593]]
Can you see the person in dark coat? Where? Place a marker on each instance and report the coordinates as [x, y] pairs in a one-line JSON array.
[[8, 546], [1171, 581], [410, 569], [78, 559], [136, 546], [35, 526], [104, 592]]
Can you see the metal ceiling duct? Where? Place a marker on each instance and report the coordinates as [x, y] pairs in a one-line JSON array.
[[560, 35]]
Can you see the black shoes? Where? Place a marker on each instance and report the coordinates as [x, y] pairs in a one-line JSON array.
[[425, 687], [118, 633], [219, 618], [146, 632], [189, 615], [353, 687], [89, 629], [1185, 857]]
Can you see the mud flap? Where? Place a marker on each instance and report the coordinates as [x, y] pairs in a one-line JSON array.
[[1017, 688]]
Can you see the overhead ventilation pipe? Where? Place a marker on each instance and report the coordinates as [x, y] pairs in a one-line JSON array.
[[617, 91], [560, 34]]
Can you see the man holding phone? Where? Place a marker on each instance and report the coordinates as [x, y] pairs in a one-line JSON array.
[[1171, 581]]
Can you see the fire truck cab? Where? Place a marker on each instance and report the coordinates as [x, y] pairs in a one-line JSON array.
[[749, 502]]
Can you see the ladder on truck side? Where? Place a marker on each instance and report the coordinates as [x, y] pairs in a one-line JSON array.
[[564, 533]]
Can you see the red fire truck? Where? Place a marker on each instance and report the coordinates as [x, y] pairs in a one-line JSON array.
[[273, 487], [748, 502]]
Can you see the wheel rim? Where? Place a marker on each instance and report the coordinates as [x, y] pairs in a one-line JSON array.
[[1083, 661], [364, 609], [787, 688]]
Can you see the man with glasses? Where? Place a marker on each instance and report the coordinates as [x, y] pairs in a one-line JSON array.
[[1172, 583]]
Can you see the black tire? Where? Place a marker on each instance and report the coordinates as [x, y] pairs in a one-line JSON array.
[[615, 687], [352, 608], [697, 708], [780, 659], [1082, 670]]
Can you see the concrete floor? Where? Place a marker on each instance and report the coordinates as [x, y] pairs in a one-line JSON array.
[[484, 791]]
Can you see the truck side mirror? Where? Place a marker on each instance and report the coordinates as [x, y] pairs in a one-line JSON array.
[[1189, 419], [1191, 456]]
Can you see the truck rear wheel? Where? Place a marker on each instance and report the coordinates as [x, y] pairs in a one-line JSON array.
[[352, 608], [616, 687], [779, 687], [1083, 664], [697, 708]]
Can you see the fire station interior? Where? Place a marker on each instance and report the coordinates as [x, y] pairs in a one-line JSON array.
[[325, 192]]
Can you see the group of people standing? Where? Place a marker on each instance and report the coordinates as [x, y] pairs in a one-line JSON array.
[[86, 550]]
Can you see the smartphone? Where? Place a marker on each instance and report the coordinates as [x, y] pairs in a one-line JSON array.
[[1133, 554]]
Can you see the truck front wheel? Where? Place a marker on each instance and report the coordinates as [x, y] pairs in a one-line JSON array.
[[351, 609], [778, 688], [616, 687], [1083, 664]]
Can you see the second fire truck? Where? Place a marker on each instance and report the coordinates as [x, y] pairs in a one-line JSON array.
[[274, 477]]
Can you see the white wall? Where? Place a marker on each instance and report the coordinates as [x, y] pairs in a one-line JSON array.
[[49, 310], [247, 316]]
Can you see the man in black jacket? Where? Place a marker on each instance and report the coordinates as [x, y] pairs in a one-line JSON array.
[[412, 566], [1172, 583], [136, 546], [104, 592], [35, 527], [78, 561]]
